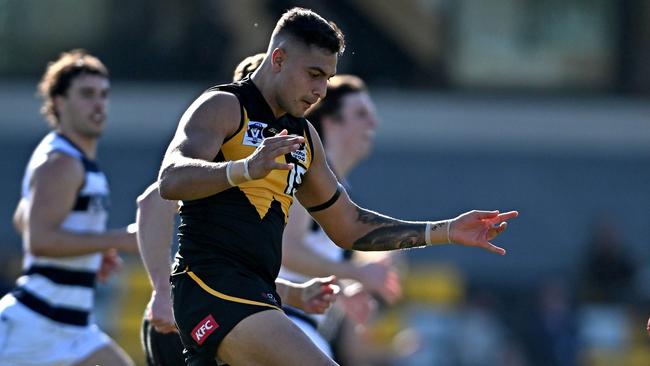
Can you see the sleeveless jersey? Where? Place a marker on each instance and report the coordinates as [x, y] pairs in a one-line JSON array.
[[62, 288], [241, 227]]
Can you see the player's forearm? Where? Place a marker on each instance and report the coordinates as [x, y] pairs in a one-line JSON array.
[[190, 179], [158, 266], [155, 219], [297, 257], [378, 232], [62, 243], [159, 270], [289, 292]]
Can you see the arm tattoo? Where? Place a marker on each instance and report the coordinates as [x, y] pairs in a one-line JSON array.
[[389, 233]]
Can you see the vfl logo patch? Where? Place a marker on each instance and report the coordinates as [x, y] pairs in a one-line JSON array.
[[202, 330], [254, 133]]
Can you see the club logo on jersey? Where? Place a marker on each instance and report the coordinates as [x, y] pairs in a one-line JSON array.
[[254, 133], [202, 330]]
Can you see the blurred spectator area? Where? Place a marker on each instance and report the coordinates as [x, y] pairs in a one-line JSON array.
[[584, 45]]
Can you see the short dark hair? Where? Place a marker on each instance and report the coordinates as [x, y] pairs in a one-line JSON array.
[[311, 29], [337, 88], [59, 75], [248, 65]]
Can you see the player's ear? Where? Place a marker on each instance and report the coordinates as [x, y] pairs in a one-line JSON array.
[[58, 101], [278, 56], [328, 121]]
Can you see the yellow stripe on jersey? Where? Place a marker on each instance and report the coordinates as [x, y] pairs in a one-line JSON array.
[[223, 296], [262, 192]]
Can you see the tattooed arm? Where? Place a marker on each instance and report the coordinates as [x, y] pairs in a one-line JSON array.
[[353, 227], [389, 233]]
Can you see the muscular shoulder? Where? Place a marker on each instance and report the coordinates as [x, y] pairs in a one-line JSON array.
[[59, 168], [314, 141], [216, 109]]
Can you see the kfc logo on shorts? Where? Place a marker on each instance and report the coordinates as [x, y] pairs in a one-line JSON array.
[[204, 329], [254, 133]]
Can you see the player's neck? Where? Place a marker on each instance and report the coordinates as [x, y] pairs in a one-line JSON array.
[[88, 145], [265, 85]]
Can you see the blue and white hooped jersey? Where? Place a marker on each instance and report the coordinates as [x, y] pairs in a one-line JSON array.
[[62, 289]]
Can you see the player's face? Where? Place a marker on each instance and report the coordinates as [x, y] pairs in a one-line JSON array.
[[358, 121], [83, 109], [304, 78]]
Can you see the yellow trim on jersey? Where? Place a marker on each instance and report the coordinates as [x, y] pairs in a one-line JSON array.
[[262, 192], [223, 296]]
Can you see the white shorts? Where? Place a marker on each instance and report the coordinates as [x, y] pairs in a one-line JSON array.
[[313, 334], [29, 339]]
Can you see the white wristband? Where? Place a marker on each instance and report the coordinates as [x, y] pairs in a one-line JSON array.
[[228, 167], [448, 230], [246, 173], [427, 234]]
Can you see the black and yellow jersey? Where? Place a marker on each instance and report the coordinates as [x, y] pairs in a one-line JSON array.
[[242, 226]]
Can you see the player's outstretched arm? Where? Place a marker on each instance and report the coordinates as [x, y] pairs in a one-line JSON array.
[[155, 220], [379, 277], [353, 227], [188, 171]]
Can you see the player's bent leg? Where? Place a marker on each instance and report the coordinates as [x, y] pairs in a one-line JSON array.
[[110, 354], [269, 338]]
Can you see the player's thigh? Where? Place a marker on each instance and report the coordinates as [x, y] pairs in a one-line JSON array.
[[270, 338], [110, 354], [312, 333]]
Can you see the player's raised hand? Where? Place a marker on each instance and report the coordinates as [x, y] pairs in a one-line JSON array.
[[477, 228], [263, 160]]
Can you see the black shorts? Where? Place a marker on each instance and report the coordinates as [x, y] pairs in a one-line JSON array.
[[161, 349], [208, 305]]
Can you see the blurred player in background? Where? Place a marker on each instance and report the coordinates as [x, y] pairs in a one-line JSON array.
[[247, 66], [47, 318]]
